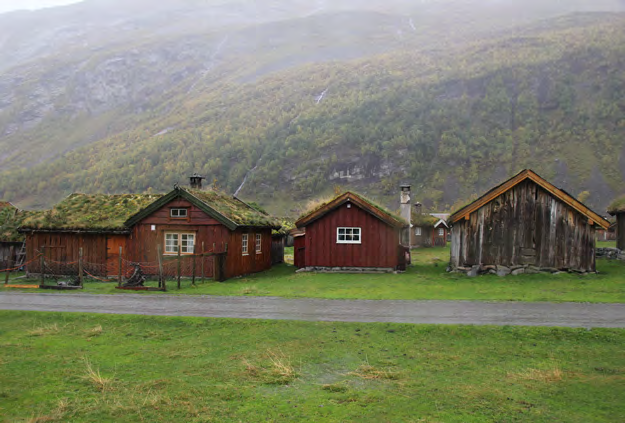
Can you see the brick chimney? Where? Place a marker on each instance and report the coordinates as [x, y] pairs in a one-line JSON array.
[[196, 181], [404, 201]]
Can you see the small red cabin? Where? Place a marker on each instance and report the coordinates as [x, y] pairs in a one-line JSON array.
[[348, 233]]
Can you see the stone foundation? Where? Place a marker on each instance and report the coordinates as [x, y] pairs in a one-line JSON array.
[[347, 270], [512, 270], [610, 253]]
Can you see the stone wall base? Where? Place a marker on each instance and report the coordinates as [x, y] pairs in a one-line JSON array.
[[347, 269], [610, 253], [512, 270]]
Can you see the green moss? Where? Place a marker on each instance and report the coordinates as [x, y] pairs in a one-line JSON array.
[[423, 220], [12, 218], [234, 209], [371, 203], [90, 212], [617, 206]]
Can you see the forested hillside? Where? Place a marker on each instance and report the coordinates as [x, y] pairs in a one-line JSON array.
[[363, 99]]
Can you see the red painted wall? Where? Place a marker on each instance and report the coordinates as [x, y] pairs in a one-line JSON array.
[[378, 246]]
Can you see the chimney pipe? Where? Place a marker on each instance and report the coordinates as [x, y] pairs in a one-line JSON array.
[[196, 181], [404, 200]]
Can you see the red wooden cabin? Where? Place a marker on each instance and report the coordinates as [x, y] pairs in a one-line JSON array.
[[350, 232], [184, 220]]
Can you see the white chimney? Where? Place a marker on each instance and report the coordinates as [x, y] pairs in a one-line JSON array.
[[404, 201]]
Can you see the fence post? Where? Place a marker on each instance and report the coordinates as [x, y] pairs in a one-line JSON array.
[[193, 270], [42, 265], [119, 274], [80, 267], [159, 254], [202, 264], [179, 266], [9, 265]]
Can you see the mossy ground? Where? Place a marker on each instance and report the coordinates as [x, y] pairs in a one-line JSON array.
[[84, 368]]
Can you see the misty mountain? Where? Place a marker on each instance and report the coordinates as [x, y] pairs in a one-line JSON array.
[[118, 96]]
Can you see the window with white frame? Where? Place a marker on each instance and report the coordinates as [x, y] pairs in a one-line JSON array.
[[178, 213], [184, 241], [417, 231], [441, 232], [258, 244], [348, 236], [244, 244]]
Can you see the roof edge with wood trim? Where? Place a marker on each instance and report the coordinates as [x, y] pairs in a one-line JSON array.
[[525, 174], [202, 200], [360, 201]]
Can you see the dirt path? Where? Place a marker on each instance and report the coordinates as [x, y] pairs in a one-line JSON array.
[[430, 312]]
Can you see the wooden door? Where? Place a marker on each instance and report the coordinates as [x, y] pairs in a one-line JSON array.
[[113, 243]]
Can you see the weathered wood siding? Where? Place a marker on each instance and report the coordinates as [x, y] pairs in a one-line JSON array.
[[378, 248], [277, 249], [150, 232], [620, 231], [299, 251], [429, 237], [6, 258], [525, 226], [239, 264], [65, 248]]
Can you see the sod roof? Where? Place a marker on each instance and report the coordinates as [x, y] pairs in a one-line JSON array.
[[10, 220], [227, 209], [617, 206], [423, 220], [84, 212], [363, 202]]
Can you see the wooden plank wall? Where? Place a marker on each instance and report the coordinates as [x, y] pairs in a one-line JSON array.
[[620, 231], [238, 264], [5, 253], [525, 226], [299, 251], [378, 247], [65, 247], [277, 249]]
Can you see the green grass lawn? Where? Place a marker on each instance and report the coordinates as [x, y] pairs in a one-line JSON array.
[[426, 279], [87, 368]]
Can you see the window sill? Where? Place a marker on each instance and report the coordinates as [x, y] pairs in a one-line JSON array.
[[349, 243], [175, 254], [247, 254]]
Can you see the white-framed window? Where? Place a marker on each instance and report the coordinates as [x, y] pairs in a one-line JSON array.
[[441, 232], [417, 231], [184, 241], [259, 244], [178, 213], [348, 236], [244, 244]]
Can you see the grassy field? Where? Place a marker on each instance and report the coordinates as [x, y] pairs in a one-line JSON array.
[[425, 280], [87, 368]]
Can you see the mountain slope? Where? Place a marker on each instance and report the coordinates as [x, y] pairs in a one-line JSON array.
[[271, 104]]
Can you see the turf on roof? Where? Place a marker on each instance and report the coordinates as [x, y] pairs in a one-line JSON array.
[[617, 206], [423, 220], [11, 219], [234, 209], [90, 212], [371, 203]]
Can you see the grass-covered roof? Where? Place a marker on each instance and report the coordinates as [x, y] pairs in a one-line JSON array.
[[235, 210], [10, 219], [617, 206], [99, 212], [320, 208], [423, 220]]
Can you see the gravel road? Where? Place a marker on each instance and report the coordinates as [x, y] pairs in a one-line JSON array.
[[429, 312]]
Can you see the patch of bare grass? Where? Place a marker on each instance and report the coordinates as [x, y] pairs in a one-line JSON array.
[[277, 370], [94, 376], [95, 331], [554, 374], [45, 330], [249, 290], [368, 372]]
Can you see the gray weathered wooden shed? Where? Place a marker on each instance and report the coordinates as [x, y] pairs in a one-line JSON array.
[[526, 221]]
